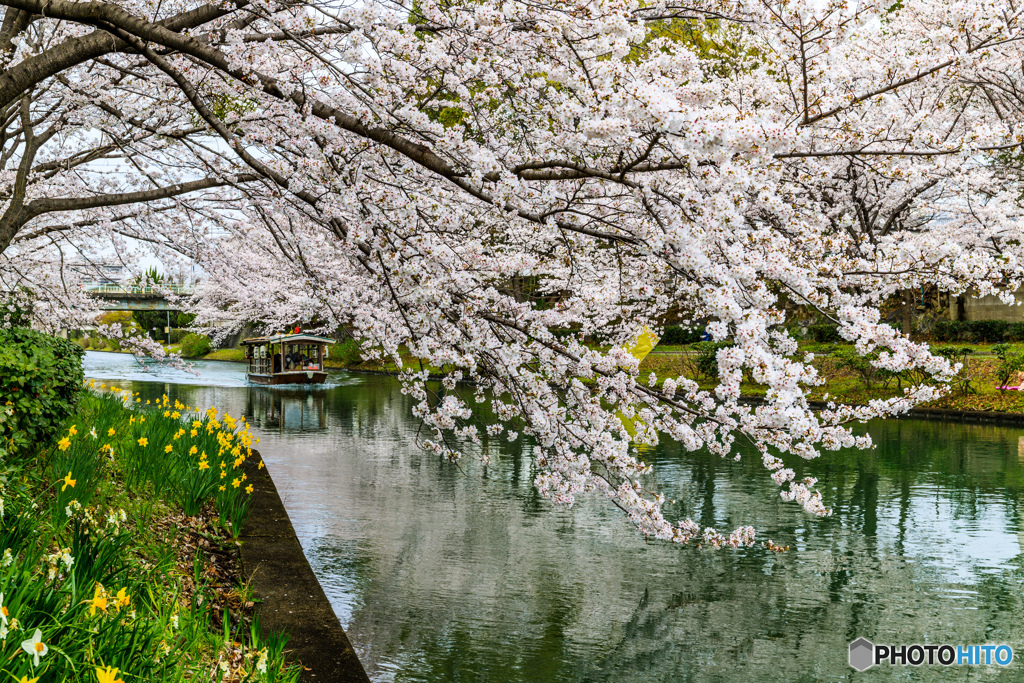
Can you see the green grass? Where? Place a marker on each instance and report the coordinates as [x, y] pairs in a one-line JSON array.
[[109, 544], [845, 386], [235, 355]]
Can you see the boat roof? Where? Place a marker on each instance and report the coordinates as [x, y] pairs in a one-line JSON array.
[[289, 339]]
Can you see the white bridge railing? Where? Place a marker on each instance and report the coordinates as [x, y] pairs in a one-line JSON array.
[[120, 290]]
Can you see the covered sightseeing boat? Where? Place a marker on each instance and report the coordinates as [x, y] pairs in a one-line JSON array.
[[287, 359]]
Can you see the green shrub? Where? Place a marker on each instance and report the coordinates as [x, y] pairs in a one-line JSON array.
[[178, 335], [704, 362], [825, 333], [989, 330], [114, 344], [959, 354], [977, 331], [1014, 333], [1010, 363], [40, 378], [676, 335], [948, 330], [849, 359], [347, 352], [194, 345]]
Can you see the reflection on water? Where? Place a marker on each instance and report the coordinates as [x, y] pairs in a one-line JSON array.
[[286, 410], [440, 573]]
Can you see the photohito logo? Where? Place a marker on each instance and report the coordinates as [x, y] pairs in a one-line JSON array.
[[864, 654]]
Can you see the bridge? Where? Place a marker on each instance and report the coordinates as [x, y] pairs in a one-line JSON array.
[[117, 297]]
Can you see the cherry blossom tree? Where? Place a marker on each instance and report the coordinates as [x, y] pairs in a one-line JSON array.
[[396, 167]]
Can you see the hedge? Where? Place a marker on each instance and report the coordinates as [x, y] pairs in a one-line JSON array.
[[825, 333], [40, 377], [978, 331], [675, 335]]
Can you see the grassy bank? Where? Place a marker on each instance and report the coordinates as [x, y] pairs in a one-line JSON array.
[[846, 377], [117, 553]]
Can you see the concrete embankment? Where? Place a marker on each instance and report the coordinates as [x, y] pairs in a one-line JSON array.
[[291, 599]]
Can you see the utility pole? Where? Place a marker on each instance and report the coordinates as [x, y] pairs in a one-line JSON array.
[[168, 327]]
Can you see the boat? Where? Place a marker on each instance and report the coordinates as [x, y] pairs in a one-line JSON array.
[[295, 358]]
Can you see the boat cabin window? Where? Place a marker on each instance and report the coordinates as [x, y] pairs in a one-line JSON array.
[[300, 357], [271, 359], [260, 359]]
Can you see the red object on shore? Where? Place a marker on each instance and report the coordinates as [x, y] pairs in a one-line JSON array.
[[297, 330]]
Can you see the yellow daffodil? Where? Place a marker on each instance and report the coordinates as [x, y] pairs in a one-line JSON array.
[[236, 482], [131, 420], [142, 419], [203, 465], [123, 599], [68, 481], [223, 474], [107, 675], [111, 432], [193, 450], [260, 466], [167, 413], [26, 679], [193, 433], [147, 401], [168, 448], [64, 443], [35, 647], [99, 600], [143, 441], [248, 489], [222, 489], [175, 415]]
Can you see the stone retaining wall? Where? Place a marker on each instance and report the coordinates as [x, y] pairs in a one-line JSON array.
[[291, 599]]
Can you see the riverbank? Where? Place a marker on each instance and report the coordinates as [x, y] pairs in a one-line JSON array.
[[847, 380], [291, 598], [121, 549]]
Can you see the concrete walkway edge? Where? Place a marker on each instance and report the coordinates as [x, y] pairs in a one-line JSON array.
[[291, 599]]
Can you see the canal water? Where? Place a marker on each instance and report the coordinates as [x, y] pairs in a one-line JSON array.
[[445, 573]]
